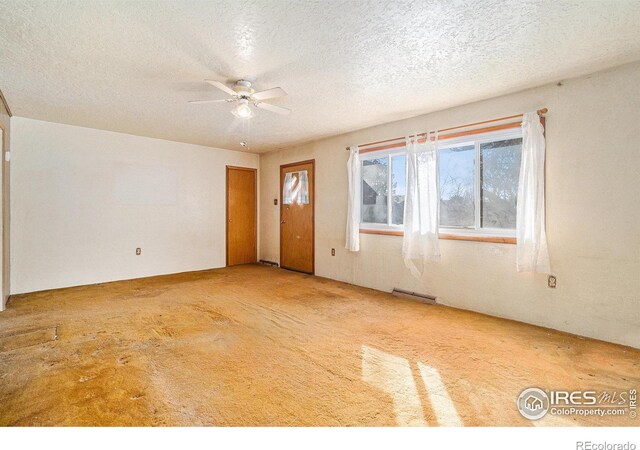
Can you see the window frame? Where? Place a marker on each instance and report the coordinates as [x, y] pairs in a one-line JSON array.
[[388, 154], [476, 232]]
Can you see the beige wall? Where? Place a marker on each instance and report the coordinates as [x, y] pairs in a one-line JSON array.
[[4, 216], [593, 214], [84, 199]]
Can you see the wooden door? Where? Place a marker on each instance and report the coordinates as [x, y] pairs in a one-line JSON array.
[[297, 229], [242, 228]]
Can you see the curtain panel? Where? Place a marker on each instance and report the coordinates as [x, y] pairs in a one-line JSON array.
[[532, 253], [421, 210], [353, 209]]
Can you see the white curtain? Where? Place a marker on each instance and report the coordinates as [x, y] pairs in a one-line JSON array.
[[295, 188], [421, 208], [532, 253], [353, 211]]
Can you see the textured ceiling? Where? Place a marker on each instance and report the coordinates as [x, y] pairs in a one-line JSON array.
[[131, 66]]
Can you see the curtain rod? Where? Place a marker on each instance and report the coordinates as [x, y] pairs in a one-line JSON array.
[[540, 113]]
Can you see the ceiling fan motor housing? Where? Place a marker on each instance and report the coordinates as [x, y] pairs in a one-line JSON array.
[[243, 88]]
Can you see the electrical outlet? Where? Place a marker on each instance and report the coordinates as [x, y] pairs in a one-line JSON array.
[[138, 251], [551, 282], [333, 252], [275, 201]]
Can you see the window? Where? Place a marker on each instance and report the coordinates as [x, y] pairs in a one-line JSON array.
[[384, 180], [499, 171], [295, 188], [375, 177], [398, 188], [457, 186], [478, 185]]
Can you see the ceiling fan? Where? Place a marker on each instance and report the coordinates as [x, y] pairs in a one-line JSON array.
[[244, 96]]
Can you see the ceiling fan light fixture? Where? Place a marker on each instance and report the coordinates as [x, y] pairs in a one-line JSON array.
[[243, 110], [244, 96]]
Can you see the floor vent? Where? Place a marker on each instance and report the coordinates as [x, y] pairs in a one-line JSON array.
[[268, 263], [424, 298]]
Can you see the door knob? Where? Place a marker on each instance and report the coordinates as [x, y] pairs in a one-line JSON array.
[[282, 221]]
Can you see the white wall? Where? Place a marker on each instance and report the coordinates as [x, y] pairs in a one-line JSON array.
[[593, 214], [84, 199]]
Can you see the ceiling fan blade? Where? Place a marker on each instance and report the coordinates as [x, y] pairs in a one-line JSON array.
[[269, 93], [211, 101], [274, 108], [223, 87]]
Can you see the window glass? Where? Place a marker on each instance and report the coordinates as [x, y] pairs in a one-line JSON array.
[[478, 183], [375, 178], [398, 188], [499, 171], [457, 170], [296, 188]]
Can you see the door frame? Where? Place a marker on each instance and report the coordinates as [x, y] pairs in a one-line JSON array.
[[313, 212], [5, 215], [226, 215]]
